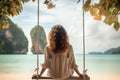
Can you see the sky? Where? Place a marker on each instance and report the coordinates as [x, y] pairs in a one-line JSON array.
[[98, 36]]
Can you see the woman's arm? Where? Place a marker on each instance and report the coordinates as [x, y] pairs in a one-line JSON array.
[[73, 62], [77, 71], [42, 71], [46, 61]]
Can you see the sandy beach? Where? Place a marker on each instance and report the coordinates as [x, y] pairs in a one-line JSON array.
[[15, 77], [28, 76], [105, 77]]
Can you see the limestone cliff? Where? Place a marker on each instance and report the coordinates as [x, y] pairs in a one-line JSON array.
[[113, 51], [13, 40], [38, 38]]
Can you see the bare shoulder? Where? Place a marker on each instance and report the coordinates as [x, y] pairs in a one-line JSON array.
[[46, 47], [70, 46]]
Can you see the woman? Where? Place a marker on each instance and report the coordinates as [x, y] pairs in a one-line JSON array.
[[59, 56]]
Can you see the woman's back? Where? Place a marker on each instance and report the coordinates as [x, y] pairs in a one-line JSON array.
[[60, 64], [59, 56]]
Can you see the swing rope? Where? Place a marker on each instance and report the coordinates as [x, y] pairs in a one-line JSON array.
[[83, 39], [38, 47], [84, 57]]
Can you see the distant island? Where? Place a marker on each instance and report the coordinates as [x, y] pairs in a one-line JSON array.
[[109, 51], [95, 53]]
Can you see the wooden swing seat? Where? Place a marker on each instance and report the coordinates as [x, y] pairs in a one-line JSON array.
[[70, 78]]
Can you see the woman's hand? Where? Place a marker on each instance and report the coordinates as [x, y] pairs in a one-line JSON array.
[[36, 76], [42, 71], [39, 75], [84, 76], [81, 75]]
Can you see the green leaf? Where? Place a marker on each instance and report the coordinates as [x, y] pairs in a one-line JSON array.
[[86, 6], [46, 2], [33, 0], [116, 26], [111, 19], [102, 1], [107, 20], [93, 10], [115, 11]]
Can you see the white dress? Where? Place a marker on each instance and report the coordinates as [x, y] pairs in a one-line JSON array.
[[60, 65]]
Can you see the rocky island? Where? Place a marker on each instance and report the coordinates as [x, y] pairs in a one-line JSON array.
[[13, 40], [109, 51], [113, 51], [38, 38]]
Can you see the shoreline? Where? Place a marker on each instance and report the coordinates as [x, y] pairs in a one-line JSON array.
[[21, 67], [28, 76]]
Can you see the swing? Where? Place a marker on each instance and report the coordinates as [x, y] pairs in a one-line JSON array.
[[72, 77]]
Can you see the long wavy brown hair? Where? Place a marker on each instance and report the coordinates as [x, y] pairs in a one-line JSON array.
[[58, 39]]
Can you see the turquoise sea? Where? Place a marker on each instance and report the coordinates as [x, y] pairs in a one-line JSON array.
[[21, 67]]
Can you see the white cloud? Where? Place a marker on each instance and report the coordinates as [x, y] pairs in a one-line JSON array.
[[99, 36]]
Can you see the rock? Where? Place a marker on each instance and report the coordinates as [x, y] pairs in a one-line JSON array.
[[95, 53], [109, 51], [38, 38], [113, 51], [13, 40]]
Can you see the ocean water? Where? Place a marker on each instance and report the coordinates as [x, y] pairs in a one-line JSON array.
[[21, 67]]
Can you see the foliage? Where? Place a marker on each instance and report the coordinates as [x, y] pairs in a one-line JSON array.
[[10, 8], [110, 9], [13, 8], [49, 4]]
